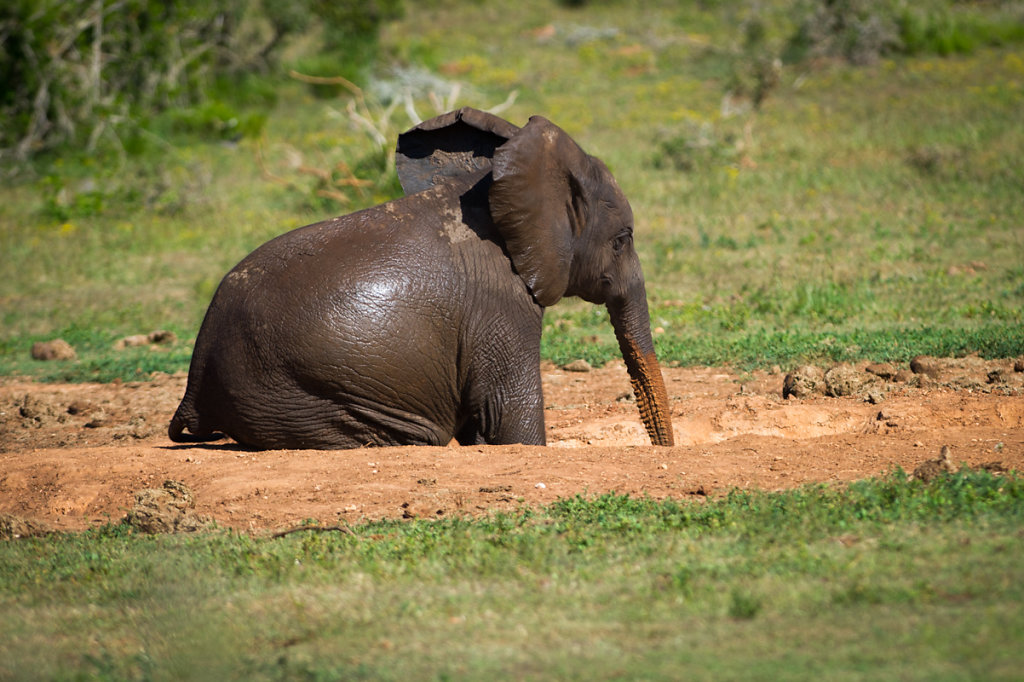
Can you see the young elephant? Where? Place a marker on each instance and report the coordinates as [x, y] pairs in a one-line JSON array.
[[419, 320]]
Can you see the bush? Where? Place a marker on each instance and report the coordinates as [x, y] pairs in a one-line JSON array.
[[857, 30], [861, 31], [73, 71]]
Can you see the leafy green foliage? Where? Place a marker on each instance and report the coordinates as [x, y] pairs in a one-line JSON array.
[[72, 73], [61, 85], [863, 31]]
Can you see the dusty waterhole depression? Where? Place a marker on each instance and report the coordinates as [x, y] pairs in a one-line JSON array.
[[73, 455]]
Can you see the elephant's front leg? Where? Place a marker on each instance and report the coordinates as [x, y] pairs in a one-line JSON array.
[[506, 403]]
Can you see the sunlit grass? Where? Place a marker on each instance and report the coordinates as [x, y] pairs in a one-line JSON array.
[[885, 578], [881, 199]]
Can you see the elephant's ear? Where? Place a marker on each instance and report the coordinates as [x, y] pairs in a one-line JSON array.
[[455, 143], [537, 204]]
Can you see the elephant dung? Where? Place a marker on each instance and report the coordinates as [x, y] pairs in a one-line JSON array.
[[802, 382], [15, 528], [580, 365], [844, 380], [168, 509], [158, 337], [58, 349]]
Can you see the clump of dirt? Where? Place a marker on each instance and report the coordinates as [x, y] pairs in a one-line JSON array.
[[844, 380], [15, 528], [58, 349], [933, 468], [803, 382], [168, 509], [154, 338], [872, 381], [85, 414]]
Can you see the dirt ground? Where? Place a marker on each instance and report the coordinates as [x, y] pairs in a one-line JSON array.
[[73, 455]]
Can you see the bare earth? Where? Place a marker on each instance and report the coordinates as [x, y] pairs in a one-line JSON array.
[[71, 456]]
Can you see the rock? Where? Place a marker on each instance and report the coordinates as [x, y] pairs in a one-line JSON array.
[[844, 380], [421, 509], [875, 397], [158, 337], [132, 341], [36, 412], [1018, 365], [903, 376], [168, 509], [883, 370], [58, 349], [803, 381], [162, 336], [580, 365], [933, 468], [922, 364], [80, 407]]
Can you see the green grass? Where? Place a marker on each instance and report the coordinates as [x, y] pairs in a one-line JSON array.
[[882, 579], [865, 212]]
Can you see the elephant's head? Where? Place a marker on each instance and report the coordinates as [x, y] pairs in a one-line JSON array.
[[567, 227]]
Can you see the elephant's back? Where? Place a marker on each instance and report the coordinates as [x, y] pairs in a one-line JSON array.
[[344, 309]]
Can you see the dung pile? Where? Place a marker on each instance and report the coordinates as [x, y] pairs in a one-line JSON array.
[[168, 509]]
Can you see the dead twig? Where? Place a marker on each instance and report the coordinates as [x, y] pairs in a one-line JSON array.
[[345, 530]]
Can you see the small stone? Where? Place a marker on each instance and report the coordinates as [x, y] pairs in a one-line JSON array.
[[1018, 365], [933, 468], [158, 337], [903, 376], [875, 397], [58, 349], [580, 365], [922, 364], [132, 341], [540, 486], [883, 370], [162, 336], [79, 407]]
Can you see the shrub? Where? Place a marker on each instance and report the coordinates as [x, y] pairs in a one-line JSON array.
[[73, 71]]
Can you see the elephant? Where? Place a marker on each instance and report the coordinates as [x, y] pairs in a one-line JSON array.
[[419, 320]]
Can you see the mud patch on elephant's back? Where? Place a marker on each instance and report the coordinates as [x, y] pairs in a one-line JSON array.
[[453, 228]]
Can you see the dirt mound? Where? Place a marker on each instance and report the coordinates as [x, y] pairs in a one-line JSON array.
[[72, 456]]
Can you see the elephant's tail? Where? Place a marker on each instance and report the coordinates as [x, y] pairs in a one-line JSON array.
[[180, 422]]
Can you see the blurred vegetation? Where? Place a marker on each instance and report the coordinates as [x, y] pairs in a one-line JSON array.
[[74, 72], [812, 179], [887, 578]]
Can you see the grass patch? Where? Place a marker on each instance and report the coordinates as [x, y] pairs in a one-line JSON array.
[[884, 578], [833, 216]]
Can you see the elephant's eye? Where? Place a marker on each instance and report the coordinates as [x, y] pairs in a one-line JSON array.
[[621, 242]]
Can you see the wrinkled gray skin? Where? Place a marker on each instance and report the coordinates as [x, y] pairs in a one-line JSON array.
[[419, 320]]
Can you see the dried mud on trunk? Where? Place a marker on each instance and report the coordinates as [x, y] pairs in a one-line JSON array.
[[74, 455]]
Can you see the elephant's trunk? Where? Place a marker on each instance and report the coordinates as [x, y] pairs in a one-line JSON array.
[[632, 324]]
